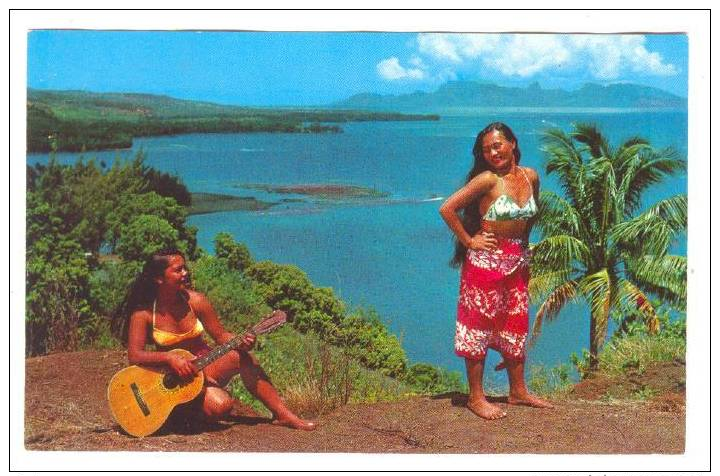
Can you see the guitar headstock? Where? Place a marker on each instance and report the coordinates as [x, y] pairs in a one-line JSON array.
[[271, 322]]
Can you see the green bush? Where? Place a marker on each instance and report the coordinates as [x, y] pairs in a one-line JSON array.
[[144, 235], [635, 353], [430, 380], [109, 285], [56, 308], [237, 254], [132, 206], [550, 382], [233, 296], [369, 341], [632, 348]]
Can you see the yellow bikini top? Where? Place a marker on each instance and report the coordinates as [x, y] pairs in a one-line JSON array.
[[167, 338]]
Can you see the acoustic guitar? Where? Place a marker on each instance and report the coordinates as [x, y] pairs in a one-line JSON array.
[[142, 397]]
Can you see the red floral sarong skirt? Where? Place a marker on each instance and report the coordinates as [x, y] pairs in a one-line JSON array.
[[493, 303]]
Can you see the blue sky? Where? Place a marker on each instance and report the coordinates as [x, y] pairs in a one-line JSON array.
[[273, 69]]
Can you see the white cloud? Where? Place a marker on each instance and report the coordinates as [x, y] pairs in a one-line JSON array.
[[610, 54], [523, 55], [391, 69], [417, 62]]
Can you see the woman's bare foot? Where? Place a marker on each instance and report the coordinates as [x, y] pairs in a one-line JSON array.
[[295, 423], [529, 400], [485, 409]]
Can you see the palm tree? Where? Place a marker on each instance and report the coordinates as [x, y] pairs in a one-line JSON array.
[[597, 245]]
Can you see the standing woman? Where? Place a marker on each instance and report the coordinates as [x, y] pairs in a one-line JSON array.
[[162, 309], [498, 205]]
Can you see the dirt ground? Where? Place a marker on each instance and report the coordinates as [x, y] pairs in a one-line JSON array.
[[66, 409]]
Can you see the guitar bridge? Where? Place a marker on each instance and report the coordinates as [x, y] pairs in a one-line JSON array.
[[138, 398]]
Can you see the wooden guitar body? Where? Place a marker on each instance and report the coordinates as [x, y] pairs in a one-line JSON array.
[[141, 398]]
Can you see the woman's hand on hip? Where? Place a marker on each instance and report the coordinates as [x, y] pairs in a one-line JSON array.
[[483, 241]]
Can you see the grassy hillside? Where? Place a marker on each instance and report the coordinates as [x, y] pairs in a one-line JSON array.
[[79, 120]]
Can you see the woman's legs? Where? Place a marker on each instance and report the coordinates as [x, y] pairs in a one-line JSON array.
[[256, 381], [519, 393], [477, 402], [216, 403]]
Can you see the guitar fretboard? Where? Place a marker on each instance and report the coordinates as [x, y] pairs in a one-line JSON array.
[[272, 322], [217, 352]]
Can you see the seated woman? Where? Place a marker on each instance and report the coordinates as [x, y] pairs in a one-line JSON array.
[[161, 308]]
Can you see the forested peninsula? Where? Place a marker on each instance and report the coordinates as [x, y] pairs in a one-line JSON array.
[[74, 121]]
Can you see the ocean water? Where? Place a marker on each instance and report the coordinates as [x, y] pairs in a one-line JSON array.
[[390, 254]]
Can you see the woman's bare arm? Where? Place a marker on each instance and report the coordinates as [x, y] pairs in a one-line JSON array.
[[140, 322], [206, 313], [211, 322], [474, 189]]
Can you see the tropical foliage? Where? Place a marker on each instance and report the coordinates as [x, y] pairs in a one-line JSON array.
[[89, 229], [78, 215], [600, 243]]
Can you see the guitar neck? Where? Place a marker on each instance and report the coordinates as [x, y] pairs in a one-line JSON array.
[[273, 321], [217, 352]]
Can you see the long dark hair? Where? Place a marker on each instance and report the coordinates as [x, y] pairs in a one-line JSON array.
[[143, 290], [470, 215]]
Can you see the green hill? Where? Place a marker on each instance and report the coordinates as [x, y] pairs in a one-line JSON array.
[[80, 120]]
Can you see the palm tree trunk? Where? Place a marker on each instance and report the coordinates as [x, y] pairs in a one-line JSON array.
[[598, 332], [594, 347]]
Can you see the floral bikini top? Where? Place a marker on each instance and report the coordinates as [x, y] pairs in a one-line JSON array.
[[167, 338], [505, 208]]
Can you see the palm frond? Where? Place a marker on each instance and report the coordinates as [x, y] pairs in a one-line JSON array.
[[654, 167], [557, 216], [556, 139], [664, 276], [543, 283], [604, 191], [652, 231], [626, 197], [591, 136], [629, 151], [633, 298], [564, 160], [559, 252], [633, 141], [552, 305], [598, 290]]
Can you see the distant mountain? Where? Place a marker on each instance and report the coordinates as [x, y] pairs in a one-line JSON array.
[[468, 94]]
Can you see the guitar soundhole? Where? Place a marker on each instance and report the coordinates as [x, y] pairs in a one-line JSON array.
[[171, 381]]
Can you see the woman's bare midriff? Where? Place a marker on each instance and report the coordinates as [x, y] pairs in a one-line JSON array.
[[505, 228]]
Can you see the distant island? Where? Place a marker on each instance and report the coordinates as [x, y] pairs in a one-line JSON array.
[[78, 120], [322, 191], [474, 94], [203, 203]]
